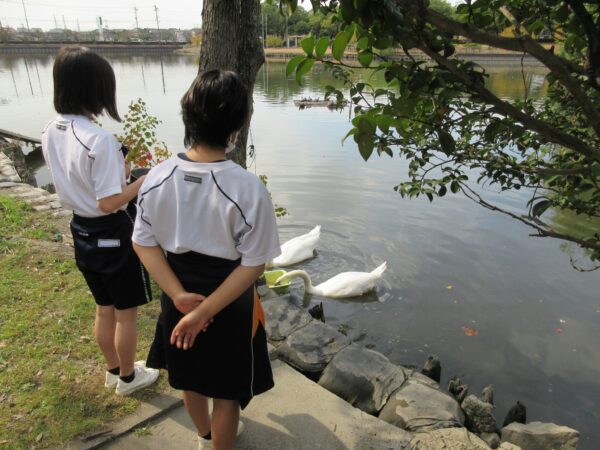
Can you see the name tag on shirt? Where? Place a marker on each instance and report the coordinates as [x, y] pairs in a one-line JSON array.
[[109, 242], [193, 179]]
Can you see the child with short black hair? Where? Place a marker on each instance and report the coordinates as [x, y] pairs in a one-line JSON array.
[[89, 173], [216, 223]]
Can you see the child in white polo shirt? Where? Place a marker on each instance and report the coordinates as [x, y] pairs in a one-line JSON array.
[[89, 174], [216, 223]]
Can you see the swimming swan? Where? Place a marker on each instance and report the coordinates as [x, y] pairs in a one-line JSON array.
[[298, 249], [345, 284]]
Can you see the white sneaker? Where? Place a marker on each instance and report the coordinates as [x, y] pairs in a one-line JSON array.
[[143, 377], [206, 444], [110, 380]]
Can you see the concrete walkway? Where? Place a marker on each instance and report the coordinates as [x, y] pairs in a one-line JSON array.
[[297, 414]]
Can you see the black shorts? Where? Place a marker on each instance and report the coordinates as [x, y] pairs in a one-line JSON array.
[[105, 256]]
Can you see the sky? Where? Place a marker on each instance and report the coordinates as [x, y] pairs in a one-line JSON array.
[[115, 13], [46, 14]]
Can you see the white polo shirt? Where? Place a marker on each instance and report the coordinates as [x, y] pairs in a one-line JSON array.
[[86, 163], [217, 209]]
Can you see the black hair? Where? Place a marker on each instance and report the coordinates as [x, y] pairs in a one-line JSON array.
[[84, 83], [215, 106]]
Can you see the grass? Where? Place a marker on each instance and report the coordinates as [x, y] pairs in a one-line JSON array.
[[51, 370], [18, 220]]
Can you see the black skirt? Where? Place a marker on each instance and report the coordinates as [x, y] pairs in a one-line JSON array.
[[230, 360]]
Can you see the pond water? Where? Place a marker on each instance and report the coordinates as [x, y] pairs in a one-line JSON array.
[[451, 264]]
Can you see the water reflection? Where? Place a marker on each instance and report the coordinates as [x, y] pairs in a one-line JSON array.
[[509, 82], [512, 288]]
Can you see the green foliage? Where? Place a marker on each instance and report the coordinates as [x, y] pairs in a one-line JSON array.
[[139, 134], [299, 23], [454, 131], [274, 41], [17, 220]]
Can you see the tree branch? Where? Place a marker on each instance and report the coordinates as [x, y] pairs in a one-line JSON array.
[[542, 228], [592, 33], [551, 133], [514, 44], [560, 67]]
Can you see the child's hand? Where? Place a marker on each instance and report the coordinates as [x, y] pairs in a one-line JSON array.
[[186, 302], [185, 332]]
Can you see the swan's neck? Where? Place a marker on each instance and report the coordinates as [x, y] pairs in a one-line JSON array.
[[305, 277]]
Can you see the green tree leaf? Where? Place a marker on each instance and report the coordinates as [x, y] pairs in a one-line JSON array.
[[308, 45], [293, 64], [303, 68], [365, 58], [447, 142], [339, 45], [540, 207], [321, 47]]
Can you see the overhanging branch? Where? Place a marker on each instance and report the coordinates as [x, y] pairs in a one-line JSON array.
[[560, 67], [552, 134], [542, 228], [475, 34]]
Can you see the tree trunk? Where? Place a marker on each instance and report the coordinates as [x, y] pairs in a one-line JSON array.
[[230, 41]]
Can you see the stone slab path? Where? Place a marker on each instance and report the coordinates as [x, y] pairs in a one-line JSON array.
[[297, 414]]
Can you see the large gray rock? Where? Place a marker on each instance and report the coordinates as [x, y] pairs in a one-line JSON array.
[[14, 152], [479, 415], [508, 446], [312, 347], [362, 377], [418, 377], [541, 436], [7, 170], [418, 407], [491, 439], [283, 317], [447, 439]]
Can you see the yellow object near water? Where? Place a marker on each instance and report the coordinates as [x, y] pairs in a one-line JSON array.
[[271, 276]]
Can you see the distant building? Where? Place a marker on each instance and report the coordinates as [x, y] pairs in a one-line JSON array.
[[57, 35]]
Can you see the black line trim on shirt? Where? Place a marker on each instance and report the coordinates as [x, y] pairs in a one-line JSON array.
[[142, 211], [79, 140], [230, 199], [161, 183]]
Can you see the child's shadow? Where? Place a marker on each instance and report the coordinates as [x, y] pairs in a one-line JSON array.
[[304, 432]]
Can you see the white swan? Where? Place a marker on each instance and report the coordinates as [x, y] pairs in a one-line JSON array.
[[345, 284], [298, 249]]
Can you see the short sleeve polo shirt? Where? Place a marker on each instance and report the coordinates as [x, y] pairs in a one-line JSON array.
[[86, 163], [217, 209]]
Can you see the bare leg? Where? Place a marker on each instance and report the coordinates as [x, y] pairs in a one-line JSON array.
[[104, 329], [126, 338], [225, 418], [197, 407]]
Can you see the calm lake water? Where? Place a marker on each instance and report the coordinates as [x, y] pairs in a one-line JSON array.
[[450, 263]]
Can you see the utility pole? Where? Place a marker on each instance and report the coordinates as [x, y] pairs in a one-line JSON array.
[[78, 27], [135, 10], [55, 22], [64, 23], [25, 12], [157, 25]]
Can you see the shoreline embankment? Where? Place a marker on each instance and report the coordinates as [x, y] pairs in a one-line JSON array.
[[50, 48], [467, 51]]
